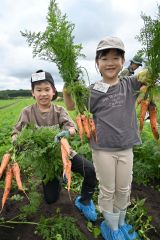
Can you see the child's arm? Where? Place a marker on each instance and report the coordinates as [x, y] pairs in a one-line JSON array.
[[65, 121], [17, 128], [69, 103]]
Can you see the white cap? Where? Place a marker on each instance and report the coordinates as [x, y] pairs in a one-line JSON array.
[[110, 42]]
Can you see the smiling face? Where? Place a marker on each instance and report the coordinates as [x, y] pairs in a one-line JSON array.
[[43, 93], [110, 64]]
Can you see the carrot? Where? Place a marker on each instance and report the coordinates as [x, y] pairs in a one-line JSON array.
[[86, 127], [65, 151], [144, 107], [153, 119], [142, 95], [16, 174], [92, 126], [68, 174], [4, 163], [80, 126], [66, 145], [64, 157], [7, 187]]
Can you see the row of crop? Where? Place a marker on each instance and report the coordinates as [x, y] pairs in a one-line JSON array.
[[5, 103], [8, 117]]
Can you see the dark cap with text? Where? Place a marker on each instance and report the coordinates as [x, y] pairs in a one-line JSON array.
[[42, 76], [39, 76]]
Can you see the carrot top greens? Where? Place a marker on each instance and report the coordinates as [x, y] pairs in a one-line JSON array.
[[150, 38], [36, 149], [56, 44]]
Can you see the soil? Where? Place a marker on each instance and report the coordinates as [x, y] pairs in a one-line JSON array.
[[152, 205], [26, 232]]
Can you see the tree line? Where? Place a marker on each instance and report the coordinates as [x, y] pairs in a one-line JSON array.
[[9, 94]]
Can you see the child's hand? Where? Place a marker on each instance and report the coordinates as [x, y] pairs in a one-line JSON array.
[[144, 76], [64, 133], [14, 138], [72, 131]]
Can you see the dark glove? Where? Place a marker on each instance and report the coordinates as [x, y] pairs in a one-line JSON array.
[[58, 137]]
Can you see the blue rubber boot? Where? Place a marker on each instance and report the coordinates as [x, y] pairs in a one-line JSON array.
[[127, 229], [109, 234], [109, 227], [88, 211], [129, 232]]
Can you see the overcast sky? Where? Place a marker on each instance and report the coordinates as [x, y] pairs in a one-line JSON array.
[[93, 19]]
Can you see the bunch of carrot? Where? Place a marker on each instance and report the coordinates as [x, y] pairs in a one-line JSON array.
[[65, 151], [85, 126], [149, 106], [12, 170]]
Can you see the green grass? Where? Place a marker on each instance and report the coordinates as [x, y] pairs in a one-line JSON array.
[[4, 103]]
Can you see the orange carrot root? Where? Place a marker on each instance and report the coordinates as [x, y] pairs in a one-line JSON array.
[[7, 186], [66, 145], [4, 163], [65, 151], [144, 108], [153, 120], [80, 126], [16, 174], [92, 126], [68, 175], [86, 127]]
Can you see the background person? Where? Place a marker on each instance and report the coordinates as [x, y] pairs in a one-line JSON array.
[[135, 63]]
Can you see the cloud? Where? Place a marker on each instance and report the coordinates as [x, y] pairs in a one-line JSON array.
[[93, 20]]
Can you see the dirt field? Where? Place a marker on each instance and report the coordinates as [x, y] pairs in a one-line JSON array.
[[26, 232]]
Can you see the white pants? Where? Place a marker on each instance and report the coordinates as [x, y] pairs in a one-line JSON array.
[[114, 173]]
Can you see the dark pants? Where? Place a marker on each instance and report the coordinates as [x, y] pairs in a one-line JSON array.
[[79, 165]]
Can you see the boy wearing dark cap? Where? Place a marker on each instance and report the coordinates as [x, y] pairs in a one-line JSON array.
[[44, 113]]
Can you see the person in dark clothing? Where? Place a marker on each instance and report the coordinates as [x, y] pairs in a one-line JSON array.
[[135, 63]]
